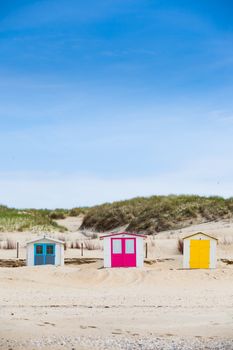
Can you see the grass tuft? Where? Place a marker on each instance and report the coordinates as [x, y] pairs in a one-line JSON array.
[[9, 244], [226, 240], [76, 245], [180, 246], [90, 245]]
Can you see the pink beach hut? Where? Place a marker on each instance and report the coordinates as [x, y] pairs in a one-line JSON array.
[[123, 249]]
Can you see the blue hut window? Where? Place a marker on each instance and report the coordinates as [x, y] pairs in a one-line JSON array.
[[50, 249], [39, 249]]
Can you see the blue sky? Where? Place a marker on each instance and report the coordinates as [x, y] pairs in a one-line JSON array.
[[106, 100]]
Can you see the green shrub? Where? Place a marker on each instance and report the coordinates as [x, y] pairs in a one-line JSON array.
[[56, 215], [77, 211]]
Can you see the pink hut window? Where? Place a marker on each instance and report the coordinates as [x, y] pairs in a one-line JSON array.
[[117, 246]]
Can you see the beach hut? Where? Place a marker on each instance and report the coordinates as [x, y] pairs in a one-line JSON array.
[[45, 251], [199, 251], [123, 249]]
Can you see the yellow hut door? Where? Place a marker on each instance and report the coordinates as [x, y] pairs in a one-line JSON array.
[[199, 254]]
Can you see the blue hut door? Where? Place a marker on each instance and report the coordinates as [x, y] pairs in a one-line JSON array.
[[44, 254], [50, 254]]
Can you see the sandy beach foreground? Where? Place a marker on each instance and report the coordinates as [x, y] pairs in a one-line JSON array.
[[88, 307]]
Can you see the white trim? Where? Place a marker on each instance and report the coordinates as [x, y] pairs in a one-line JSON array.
[[45, 238], [199, 233]]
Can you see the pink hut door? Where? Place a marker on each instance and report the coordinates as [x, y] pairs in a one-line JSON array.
[[117, 255], [123, 252], [130, 252]]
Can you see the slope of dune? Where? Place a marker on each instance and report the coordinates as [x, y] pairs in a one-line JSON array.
[[149, 215], [158, 213]]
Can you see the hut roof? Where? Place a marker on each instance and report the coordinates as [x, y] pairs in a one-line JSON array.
[[47, 238], [200, 233], [123, 233]]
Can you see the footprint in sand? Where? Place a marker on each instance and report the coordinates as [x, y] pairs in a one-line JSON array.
[[117, 331], [83, 327], [51, 324]]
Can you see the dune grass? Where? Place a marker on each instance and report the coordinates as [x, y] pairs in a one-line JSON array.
[[35, 220], [147, 215], [27, 220], [157, 213]]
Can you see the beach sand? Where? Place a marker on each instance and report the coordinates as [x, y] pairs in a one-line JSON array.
[[160, 306]]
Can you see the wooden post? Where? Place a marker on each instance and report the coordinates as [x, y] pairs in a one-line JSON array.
[[146, 250], [81, 249], [17, 248]]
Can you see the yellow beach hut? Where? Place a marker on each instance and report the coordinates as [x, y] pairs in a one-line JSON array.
[[199, 251]]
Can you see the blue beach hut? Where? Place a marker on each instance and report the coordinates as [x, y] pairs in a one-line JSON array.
[[45, 251]]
